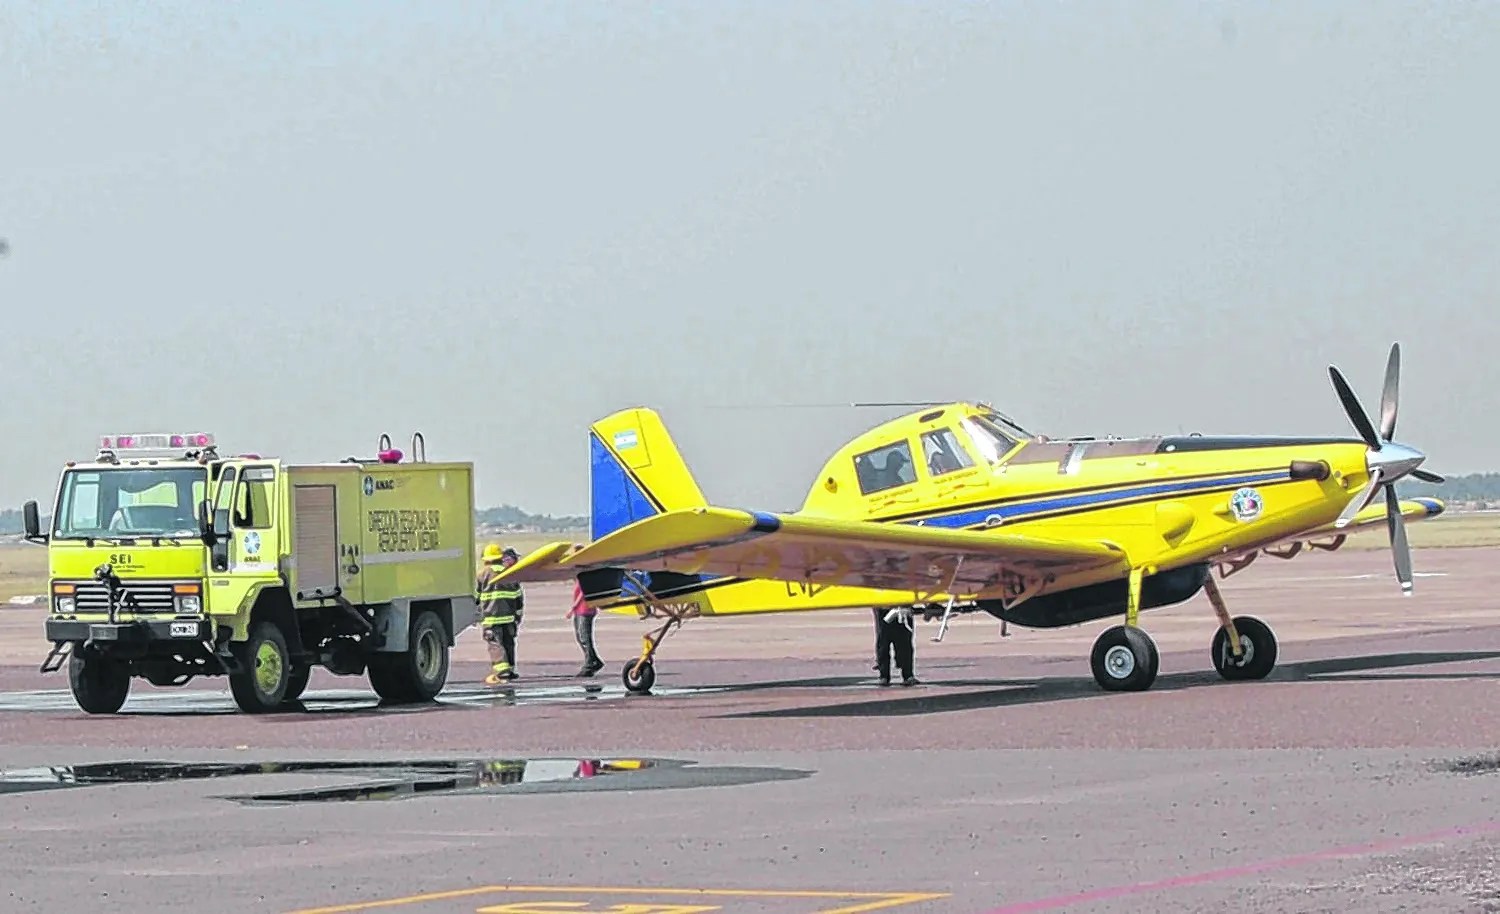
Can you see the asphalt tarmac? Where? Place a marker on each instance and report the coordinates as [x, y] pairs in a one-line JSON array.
[[1361, 776]]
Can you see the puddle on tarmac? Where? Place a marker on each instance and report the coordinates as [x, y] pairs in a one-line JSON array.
[[400, 779], [1478, 764]]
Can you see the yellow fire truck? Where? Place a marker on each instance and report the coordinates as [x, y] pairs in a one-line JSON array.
[[167, 561]]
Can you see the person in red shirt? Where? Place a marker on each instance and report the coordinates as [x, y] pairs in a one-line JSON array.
[[582, 615]]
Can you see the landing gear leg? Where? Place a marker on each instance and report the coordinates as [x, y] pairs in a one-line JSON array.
[[640, 674], [1125, 658], [1244, 647]]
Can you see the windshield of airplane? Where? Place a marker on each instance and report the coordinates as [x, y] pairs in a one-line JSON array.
[[1005, 427], [992, 439], [113, 503]]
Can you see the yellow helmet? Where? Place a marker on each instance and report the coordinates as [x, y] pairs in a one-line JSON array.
[[493, 553]]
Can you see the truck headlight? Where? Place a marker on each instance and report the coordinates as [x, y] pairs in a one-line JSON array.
[[64, 604], [189, 597]]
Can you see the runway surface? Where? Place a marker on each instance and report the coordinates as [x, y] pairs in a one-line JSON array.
[[770, 774]]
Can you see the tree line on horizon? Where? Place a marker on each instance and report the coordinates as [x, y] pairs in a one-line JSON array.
[[1480, 490]]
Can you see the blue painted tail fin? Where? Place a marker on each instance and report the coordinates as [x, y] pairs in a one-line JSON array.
[[635, 471]]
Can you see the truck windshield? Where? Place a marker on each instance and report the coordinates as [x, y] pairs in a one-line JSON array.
[[129, 501]]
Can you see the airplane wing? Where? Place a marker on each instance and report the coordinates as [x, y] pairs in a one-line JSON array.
[[746, 544]]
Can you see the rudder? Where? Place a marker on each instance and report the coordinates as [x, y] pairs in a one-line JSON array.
[[635, 471]]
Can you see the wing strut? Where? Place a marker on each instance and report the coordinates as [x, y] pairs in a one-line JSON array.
[[948, 610]]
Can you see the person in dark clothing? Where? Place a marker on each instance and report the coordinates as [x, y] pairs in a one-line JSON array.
[[501, 605], [582, 615], [893, 631]]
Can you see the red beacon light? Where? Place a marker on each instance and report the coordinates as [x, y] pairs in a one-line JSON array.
[[154, 441], [391, 455]]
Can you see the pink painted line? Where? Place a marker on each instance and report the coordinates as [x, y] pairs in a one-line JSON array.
[[1248, 869]]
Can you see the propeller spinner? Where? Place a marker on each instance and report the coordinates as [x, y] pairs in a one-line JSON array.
[[1387, 461]]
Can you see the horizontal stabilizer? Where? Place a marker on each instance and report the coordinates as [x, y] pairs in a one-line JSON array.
[[542, 564]]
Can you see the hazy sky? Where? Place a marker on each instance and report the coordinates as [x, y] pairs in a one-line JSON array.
[[301, 225]]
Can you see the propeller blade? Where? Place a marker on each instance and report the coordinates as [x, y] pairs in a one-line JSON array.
[[1388, 396], [1400, 550], [1359, 502], [1355, 411], [1428, 476]]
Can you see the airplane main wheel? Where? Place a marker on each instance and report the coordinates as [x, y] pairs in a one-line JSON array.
[[1257, 650], [638, 679], [1124, 660]]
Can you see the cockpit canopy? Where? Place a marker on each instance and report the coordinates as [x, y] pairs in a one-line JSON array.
[[971, 436]]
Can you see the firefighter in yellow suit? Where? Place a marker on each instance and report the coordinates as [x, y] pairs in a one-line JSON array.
[[501, 604]]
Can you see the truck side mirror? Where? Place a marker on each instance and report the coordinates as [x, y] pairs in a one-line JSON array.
[[205, 527], [33, 522]]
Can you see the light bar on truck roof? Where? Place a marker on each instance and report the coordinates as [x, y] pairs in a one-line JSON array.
[[154, 441]]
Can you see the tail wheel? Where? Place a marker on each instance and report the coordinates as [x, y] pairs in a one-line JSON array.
[[1257, 650], [638, 676], [1124, 660], [266, 669], [100, 683]]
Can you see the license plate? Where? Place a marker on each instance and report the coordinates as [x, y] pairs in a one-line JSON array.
[[184, 629]]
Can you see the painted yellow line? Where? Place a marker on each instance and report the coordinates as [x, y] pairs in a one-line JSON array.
[[875, 900]]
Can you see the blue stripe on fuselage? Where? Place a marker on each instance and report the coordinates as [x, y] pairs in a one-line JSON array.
[[975, 517]]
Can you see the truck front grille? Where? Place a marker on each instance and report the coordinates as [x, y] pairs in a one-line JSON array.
[[135, 596]]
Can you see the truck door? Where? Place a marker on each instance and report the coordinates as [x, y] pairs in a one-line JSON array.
[[247, 533]]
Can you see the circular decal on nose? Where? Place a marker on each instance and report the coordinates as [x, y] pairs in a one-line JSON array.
[[1246, 504], [252, 543]]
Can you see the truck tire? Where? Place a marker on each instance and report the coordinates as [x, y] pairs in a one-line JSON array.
[[296, 684], [420, 672], [266, 669], [100, 683]]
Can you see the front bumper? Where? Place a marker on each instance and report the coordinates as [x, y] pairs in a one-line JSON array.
[[138, 631]]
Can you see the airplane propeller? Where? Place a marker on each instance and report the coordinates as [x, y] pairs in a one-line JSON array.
[[1387, 461]]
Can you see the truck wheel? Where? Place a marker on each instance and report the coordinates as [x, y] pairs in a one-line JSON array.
[[385, 679], [100, 683], [267, 669], [296, 683], [420, 672]]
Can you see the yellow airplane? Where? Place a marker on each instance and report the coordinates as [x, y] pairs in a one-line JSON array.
[[957, 506]]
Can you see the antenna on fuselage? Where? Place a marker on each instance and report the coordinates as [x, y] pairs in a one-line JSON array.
[[846, 405]]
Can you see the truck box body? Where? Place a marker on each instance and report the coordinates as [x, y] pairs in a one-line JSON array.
[[380, 533]]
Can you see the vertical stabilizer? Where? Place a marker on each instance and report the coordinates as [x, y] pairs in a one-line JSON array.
[[635, 471]]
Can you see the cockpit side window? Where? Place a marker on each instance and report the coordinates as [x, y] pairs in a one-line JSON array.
[[885, 468], [943, 453]]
